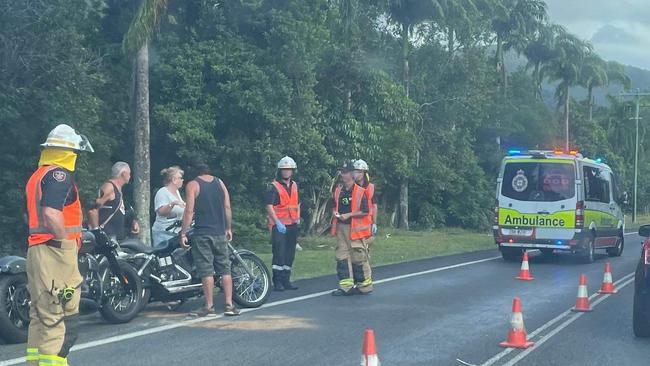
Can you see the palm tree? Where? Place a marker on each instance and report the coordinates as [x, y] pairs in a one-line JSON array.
[[566, 68], [408, 14], [593, 75], [514, 23], [136, 42], [458, 15], [540, 50]]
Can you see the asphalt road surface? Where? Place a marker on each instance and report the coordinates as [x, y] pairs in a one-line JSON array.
[[443, 311]]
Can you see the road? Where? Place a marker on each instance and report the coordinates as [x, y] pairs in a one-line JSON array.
[[431, 312]]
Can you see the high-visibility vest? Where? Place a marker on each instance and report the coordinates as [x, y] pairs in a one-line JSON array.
[[361, 227], [370, 195], [288, 209], [72, 215]]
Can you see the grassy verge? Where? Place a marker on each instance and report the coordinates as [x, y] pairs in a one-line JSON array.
[[633, 226], [317, 256]]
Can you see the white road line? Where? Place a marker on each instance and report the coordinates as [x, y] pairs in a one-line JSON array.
[[552, 322], [163, 328], [560, 327]]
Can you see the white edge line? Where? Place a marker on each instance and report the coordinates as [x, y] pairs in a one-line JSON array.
[[551, 322], [557, 330], [162, 328]]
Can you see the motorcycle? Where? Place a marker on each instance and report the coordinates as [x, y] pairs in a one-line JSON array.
[[169, 275], [110, 285]]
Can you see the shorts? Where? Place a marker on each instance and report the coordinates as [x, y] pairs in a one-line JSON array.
[[211, 255]]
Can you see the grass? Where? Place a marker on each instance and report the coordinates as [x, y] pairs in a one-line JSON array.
[[642, 219], [317, 257]]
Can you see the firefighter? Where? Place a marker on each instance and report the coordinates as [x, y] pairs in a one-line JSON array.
[[352, 226], [55, 219], [362, 178], [283, 212]]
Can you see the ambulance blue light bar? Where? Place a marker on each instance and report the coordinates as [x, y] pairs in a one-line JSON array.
[[514, 152]]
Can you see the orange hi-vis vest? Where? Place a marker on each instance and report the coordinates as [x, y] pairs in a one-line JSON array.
[[288, 210], [38, 232], [370, 195], [361, 227]]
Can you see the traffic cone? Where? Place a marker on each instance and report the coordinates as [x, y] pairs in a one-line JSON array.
[[369, 350], [582, 301], [517, 336], [608, 285], [524, 273]]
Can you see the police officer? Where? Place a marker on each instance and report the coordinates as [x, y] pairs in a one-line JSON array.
[[352, 226], [283, 213], [55, 219]]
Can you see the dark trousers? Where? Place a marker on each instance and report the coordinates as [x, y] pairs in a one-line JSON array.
[[284, 247]]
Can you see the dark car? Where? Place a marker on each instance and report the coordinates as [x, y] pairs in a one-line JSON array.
[[641, 315]]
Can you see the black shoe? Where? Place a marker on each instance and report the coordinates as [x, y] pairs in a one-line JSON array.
[[286, 282], [339, 292], [278, 287], [359, 292], [277, 281]]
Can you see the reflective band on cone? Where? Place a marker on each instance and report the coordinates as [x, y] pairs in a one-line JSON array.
[[608, 283], [517, 337], [369, 350], [524, 273], [582, 301]]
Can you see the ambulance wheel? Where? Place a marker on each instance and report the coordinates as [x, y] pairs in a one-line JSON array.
[[618, 249], [511, 254], [589, 253]]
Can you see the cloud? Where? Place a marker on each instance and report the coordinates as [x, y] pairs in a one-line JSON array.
[[609, 34]]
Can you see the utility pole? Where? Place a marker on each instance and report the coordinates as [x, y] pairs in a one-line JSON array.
[[637, 98]]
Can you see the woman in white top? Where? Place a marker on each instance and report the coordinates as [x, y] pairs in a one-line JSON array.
[[169, 205]]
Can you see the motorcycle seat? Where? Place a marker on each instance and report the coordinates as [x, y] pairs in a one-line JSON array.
[[138, 248]]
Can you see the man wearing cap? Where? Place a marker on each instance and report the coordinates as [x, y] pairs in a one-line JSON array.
[[55, 219], [352, 226], [283, 213]]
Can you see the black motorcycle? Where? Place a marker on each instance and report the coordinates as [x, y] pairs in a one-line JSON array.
[[110, 285], [168, 273]]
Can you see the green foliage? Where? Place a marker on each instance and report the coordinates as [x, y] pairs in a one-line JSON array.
[[239, 84]]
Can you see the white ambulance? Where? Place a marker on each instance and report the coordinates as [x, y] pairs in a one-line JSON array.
[[557, 200]]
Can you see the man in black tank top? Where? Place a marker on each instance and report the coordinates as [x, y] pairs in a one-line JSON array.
[[208, 203], [108, 210]]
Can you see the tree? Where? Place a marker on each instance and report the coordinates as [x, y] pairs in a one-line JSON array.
[[541, 50], [593, 75], [566, 67], [137, 41], [514, 23]]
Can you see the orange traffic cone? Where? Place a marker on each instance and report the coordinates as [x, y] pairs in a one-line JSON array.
[[524, 273], [369, 350], [582, 301], [608, 285], [517, 335]]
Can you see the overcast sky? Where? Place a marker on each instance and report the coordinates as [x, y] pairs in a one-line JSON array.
[[618, 29]]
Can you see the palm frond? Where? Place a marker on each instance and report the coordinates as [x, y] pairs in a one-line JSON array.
[[144, 24]]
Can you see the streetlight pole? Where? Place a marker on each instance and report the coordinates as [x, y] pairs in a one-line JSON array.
[[637, 96]]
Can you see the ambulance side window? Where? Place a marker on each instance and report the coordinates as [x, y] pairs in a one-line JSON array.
[[596, 184]]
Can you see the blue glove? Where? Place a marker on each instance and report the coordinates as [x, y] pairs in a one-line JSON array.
[[280, 226], [374, 229]]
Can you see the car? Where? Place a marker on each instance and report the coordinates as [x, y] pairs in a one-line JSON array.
[[641, 307], [555, 200]]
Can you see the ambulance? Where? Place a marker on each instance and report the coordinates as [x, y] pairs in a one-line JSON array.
[[557, 201]]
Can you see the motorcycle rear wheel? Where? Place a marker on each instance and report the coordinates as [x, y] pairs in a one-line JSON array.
[[14, 308]]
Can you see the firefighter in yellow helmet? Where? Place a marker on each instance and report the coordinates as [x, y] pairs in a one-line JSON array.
[[55, 217]]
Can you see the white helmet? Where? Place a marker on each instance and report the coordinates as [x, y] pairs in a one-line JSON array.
[[65, 137], [360, 165], [287, 163]]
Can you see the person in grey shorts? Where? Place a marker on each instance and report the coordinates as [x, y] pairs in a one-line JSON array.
[[208, 203]]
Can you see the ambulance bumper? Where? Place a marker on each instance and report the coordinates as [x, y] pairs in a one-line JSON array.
[[536, 246]]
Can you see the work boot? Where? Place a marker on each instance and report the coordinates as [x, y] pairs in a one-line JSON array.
[[286, 281], [340, 292], [277, 281]]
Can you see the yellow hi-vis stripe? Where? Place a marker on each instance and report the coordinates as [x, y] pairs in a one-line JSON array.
[[46, 360], [32, 354], [346, 282]]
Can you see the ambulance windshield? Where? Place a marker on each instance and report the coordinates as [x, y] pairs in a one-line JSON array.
[[539, 181]]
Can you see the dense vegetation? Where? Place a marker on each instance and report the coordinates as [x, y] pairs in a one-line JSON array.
[[418, 88]]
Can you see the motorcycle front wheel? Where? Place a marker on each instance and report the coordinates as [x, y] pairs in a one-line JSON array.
[[14, 308], [250, 289], [120, 303]]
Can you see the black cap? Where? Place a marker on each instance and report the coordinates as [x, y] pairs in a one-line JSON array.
[[347, 167]]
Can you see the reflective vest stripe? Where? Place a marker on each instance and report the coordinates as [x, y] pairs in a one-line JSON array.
[[44, 230]]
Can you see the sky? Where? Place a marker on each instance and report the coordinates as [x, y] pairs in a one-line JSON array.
[[618, 29]]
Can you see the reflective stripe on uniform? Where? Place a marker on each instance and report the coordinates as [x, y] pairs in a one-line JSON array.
[[346, 282], [52, 360], [44, 230], [32, 354]]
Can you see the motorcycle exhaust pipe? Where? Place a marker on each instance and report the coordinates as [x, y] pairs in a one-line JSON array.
[[176, 290]]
